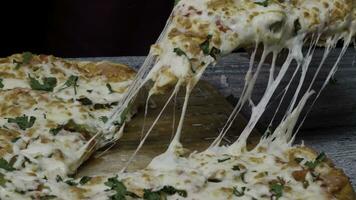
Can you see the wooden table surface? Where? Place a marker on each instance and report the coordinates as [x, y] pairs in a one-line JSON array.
[[330, 127]]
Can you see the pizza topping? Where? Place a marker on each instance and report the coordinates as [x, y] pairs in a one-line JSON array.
[[163, 193], [49, 83], [1, 83], [6, 165], [26, 58], [110, 88], [239, 193], [71, 82], [318, 160], [24, 122], [55, 131], [180, 52], [277, 190], [120, 189], [85, 101], [263, 3], [84, 180]]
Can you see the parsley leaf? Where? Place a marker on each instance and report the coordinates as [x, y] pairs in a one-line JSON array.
[[48, 83], [84, 180], [120, 189], [163, 193], [71, 82], [85, 101], [180, 52], [223, 160], [104, 118], [215, 52], [110, 88], [26, 59], [277, 190], [1, 84], [236, 168], [23, 122], [319, 159], [170, 190], [55, 131], [71, 182], [59, 178], [48, 197], [6, 165], [238, 193], [262, 3], [2, 179], [242, 175], [205, 46], [298, 160]]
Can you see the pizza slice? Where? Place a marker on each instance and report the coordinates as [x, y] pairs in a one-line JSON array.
[[201, 31]]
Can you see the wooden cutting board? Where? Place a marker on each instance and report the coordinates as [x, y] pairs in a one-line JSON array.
[[206, 115]]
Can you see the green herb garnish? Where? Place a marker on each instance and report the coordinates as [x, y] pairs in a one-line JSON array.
[[119, 188], [110, 88], [71, 82], [48, 197], [6, 165], [2, 179], [277, 190], [71, 182], [242, 176], [223, 160], [163, 193], [262, 3], [59, 178], [23, 122], [1, 84], [49, 83], [180, 52], [85, 101], [104, 119], [298, 160], [215, 52], [84, 180], [319, 159], [26, 59], [15, 139], [205, 46], [236, 168], [239, 193], [55, 131]]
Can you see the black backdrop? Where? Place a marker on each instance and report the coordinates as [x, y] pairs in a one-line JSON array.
[[78, 28]]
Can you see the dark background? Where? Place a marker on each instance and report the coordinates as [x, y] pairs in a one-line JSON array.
[[82, 28]]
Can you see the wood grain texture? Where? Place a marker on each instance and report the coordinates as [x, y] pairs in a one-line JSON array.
[[330, 127]]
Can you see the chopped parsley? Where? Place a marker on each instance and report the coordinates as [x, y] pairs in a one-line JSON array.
[[262, 3], [163, 193], [23, 122], [223, 160], [205, 46], [180, 52], [49, 83], [239, 193], [120, 189], [298, 160], [84, 180], [15, 139], [2, 179], [72, 81], [71, 182], [215, 52], [242, 176], [48, 197], [85, 101], [297, 26], [104, 119], [59, 178], [236, 168], [277, 190], [26, 59], [110, 88], [1, 84], [6, 165], [55, 131], [313, 164]]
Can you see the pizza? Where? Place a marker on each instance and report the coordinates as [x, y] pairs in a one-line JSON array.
[[52, 111]]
